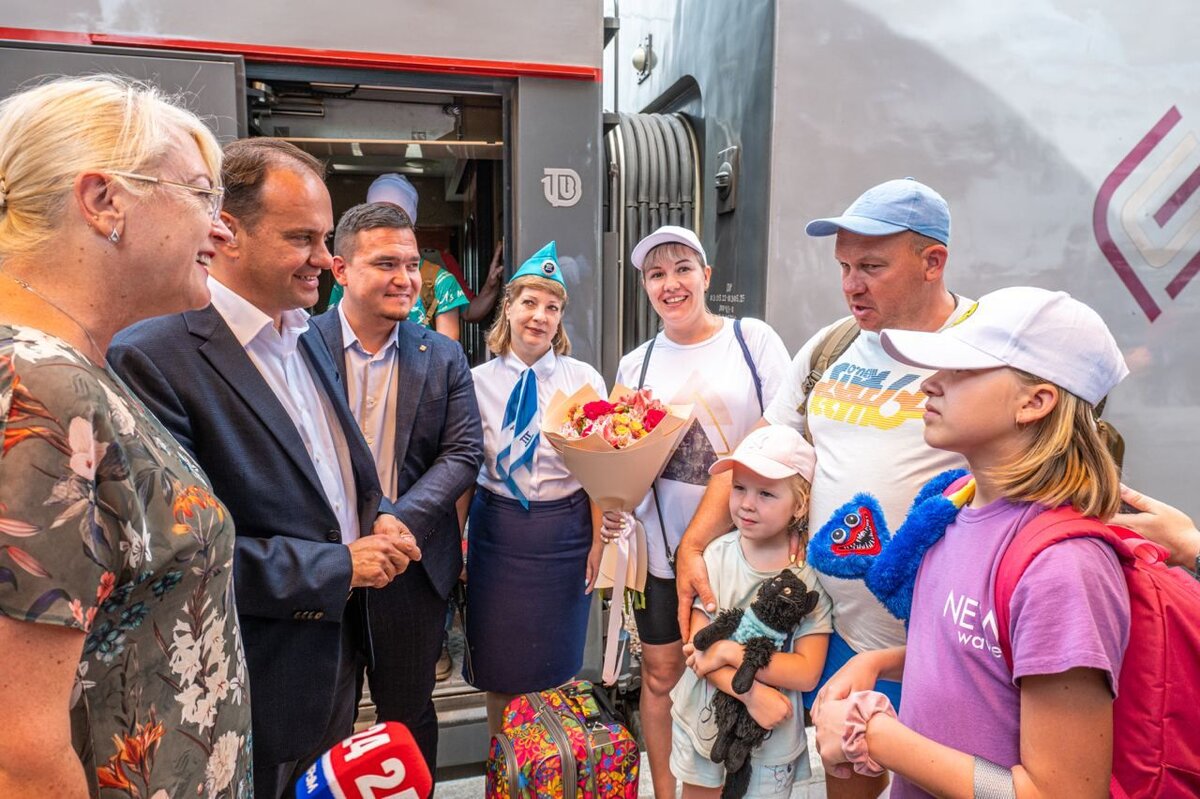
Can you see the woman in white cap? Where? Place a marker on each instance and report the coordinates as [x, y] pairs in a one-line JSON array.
[[533, 538], [728, 371], [121, 665], [1002, 698]]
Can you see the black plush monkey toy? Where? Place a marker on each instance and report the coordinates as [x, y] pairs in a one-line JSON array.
[[781, 603]]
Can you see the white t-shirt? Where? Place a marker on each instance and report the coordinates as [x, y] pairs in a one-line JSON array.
[[735, 583], [867, 428], [714, 378]]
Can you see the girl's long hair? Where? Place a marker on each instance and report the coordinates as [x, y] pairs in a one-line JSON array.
[[1067, 461], [801, 491]]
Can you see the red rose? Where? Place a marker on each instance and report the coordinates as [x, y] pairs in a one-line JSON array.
[[594, 410], [653, 417]]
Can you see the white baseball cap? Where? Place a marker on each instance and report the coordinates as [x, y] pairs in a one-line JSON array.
[[775, 452], [665, 235], [1045, 333]]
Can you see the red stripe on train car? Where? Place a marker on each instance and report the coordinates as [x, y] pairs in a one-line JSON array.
[[279, 54]]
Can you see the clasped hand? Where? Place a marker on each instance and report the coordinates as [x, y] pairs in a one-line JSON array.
[[376, 559]]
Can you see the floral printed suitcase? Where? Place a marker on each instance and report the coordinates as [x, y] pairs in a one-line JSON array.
[[527, 760]]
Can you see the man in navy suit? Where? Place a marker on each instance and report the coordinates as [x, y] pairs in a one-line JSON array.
[[260, 405], [410, 390]]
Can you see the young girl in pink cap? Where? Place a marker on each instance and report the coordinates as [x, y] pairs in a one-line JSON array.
[[771, 468], [1019, 377]]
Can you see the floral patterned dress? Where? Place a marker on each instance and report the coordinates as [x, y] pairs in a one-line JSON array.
[[109, 527]]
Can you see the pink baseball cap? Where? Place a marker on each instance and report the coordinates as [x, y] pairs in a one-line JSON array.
[[775, 452]]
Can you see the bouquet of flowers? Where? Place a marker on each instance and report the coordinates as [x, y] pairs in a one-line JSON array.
[[630, 418], [616, 448]]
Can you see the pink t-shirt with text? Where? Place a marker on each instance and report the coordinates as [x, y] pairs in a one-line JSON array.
[[1069, 610]]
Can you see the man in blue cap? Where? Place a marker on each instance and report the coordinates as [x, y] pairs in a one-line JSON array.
[[863, 411]]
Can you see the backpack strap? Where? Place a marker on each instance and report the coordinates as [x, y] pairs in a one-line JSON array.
[[662, 526], [429, 274], [835, 343], [741, 340], [1046, 530]]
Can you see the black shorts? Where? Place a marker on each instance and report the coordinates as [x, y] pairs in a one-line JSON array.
[[658, 622]]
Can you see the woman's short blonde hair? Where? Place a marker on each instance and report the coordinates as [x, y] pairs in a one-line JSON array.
[[52, 133], [1067, 461], [499, 338]]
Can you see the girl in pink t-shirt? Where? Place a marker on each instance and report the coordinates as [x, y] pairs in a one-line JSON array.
[[1019, 376]]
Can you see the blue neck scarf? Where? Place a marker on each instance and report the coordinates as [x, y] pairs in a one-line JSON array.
[[514, 462]]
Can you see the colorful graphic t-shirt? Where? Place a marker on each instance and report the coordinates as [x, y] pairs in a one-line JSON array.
[[449, 295], [109, 527], [714, 379], [866, 418], [1070, 610], [735, 583]]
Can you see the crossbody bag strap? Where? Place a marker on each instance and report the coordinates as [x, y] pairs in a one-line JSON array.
[[741, 340], [662, 527]]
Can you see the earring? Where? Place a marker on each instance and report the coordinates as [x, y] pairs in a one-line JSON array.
[[114, 237]]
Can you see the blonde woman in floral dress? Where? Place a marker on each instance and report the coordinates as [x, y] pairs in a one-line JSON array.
[[122, 672]]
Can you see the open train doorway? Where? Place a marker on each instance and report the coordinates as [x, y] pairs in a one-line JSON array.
[[448, 139], [450, 145]]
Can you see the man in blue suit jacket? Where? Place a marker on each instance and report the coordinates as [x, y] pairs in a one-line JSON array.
[[259, 403], [410, 389]]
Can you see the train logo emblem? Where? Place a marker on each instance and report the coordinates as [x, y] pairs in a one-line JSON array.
[[1147, 214], [561, 186]]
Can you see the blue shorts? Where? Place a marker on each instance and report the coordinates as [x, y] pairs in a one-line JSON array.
[[839, 653]]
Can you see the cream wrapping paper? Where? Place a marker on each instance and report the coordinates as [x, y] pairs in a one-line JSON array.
[[615, 479]]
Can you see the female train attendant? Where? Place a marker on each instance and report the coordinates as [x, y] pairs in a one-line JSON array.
[[727, 370], [533, 536]]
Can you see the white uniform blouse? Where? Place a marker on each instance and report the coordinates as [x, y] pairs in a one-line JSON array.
[[494, 382]]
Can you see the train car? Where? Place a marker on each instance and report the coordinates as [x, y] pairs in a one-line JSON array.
[[1063, 135], [492, 113]]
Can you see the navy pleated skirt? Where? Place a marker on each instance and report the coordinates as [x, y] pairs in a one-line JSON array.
[[527, 613]]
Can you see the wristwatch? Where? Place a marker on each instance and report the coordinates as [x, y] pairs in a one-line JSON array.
[[1196, 567]]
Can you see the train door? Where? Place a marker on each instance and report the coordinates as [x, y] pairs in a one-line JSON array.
[[447, 137]]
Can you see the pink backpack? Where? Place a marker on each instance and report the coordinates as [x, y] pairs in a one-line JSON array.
[[1156, 717]]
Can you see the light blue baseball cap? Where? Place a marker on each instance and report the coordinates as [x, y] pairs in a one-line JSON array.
[[891, 207], [543, 263], [395, 189]]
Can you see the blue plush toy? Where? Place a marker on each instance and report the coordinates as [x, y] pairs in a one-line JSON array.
[[855, 542]]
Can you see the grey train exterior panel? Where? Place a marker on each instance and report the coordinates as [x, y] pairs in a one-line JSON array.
[[1063, 135]]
